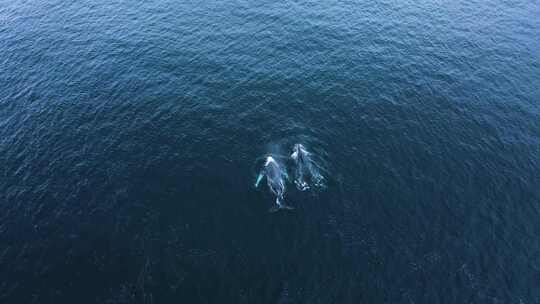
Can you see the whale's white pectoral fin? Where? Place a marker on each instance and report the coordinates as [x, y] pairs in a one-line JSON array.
[[259, 179]]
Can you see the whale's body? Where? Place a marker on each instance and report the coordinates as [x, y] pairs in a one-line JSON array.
[[275, 179], [305, 169]]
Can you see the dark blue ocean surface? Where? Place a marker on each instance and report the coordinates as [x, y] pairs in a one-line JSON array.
[[131, 134]]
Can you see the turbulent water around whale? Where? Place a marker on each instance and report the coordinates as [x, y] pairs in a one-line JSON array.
[[132, 134]]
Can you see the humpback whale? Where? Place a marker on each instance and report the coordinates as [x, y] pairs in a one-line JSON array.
[[275, 178], [306, 170]]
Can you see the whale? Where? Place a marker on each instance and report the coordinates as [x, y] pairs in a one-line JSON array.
[[306, 171], [276, 177]]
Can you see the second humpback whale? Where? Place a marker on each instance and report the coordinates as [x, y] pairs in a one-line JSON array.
[[306, 171]]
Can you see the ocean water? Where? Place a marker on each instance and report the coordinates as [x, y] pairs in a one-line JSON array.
[[131, 135]]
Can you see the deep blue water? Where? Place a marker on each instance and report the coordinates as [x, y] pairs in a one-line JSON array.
[[131, 134]]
